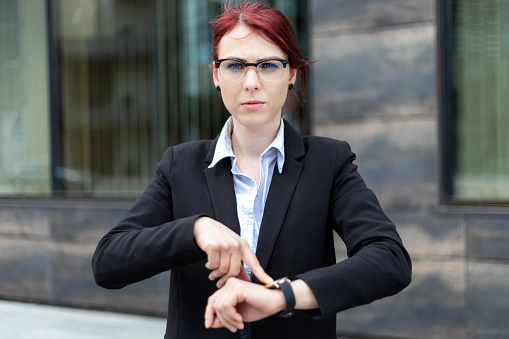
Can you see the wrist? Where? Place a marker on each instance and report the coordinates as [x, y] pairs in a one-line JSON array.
[[287, 305], [280, 300], [197, 223], [304, 297]]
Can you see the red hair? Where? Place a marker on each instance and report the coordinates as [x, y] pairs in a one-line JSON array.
[[263, 19]]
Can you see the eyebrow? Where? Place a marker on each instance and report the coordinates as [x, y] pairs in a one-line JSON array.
[[261, 59]]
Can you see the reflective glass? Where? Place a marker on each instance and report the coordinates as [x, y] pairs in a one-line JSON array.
[[481, 84], [92, 92], [24, 103]]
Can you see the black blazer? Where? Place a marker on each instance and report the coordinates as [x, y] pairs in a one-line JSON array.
[[319, 191]]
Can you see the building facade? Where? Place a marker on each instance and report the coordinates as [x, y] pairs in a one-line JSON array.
[[92, 92]]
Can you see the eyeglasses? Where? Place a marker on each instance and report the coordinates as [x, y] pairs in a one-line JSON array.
[[268, 70]]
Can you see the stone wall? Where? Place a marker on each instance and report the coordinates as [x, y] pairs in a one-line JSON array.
[[46, 249], [375, 85]]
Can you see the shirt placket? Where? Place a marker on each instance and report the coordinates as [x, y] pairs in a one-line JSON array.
[[245, 190]]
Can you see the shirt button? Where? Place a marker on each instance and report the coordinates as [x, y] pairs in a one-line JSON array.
[[248, 221], [243, 334]]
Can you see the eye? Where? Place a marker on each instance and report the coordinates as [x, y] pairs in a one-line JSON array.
[[233, 66], [270, 65]]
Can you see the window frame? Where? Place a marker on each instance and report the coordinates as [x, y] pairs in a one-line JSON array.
[[446, 109]]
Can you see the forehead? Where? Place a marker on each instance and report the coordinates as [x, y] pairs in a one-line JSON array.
[[245, 43]]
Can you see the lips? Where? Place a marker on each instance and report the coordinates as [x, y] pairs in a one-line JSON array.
[[253, 105]]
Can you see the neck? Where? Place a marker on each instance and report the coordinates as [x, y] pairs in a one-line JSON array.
[[252, 143]]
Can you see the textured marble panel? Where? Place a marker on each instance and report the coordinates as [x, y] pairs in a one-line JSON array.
[[389, 73], [426, 234], [431, 307], [327, 15], [73, 284], [24, 269], [397, 160], [149, 297], [20, 220], [69, 223], [488, 296], [488, 236]]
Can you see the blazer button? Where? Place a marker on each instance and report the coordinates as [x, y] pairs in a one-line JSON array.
[[243, 334]]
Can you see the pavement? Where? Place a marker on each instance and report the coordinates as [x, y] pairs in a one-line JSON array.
[[27, 321]]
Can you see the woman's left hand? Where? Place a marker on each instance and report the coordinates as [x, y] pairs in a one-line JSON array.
[[240, 301]]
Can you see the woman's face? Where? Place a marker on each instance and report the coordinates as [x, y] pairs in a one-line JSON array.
[[254, 104]]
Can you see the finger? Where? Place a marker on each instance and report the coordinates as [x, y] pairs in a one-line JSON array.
[[234, 270], [229, 325], [217, 323], [209, 313], [224, 266], [221, 282], [243, 275], [229, 317], [235, 264], [234, 317], [224, 306], [213, 317], [252, 262], [213, 259]]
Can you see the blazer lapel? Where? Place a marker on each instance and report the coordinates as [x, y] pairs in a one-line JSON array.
[[222, 193], [280, 195]]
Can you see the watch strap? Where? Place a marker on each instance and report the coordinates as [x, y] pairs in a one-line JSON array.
[[286, 287]]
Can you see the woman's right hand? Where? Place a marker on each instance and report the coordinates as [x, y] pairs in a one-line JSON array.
[[226, 251]]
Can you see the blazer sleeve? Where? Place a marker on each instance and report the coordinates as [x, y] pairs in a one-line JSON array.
[[378, 265], [147, 240]]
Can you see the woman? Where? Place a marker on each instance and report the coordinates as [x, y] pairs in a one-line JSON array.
[[258, 202]]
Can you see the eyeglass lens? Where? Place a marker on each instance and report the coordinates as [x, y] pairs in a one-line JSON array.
[[268, 71]]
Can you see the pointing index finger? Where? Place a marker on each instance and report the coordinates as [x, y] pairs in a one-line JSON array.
[[252, 262]]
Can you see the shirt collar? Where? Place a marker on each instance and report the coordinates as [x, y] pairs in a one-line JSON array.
[[224, 145]]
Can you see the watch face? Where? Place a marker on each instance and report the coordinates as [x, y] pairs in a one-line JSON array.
[[276, 283]]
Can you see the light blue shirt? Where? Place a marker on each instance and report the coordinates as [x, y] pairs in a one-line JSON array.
[[251, 198]]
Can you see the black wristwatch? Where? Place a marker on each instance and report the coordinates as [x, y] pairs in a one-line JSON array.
[[285, 285]]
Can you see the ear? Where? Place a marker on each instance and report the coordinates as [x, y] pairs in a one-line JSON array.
[[293, 76], [215, 76]]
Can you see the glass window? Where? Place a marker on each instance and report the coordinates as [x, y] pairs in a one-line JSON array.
[[24, 102], [104, 86], [480, 101], [92, 97]]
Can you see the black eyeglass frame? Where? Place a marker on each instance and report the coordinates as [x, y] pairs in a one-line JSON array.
[[218, 62]]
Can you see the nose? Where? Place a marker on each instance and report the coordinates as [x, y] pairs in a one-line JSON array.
[[251, 79]]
